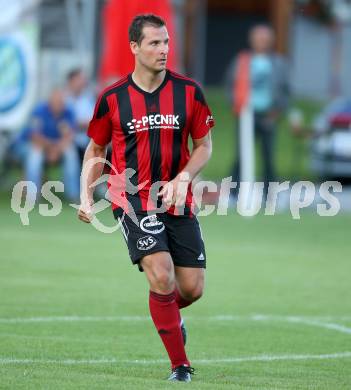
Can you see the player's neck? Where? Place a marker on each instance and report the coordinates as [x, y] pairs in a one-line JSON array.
[[148, 81]]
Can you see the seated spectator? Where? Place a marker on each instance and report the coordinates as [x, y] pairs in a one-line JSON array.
[[81, 101], [49, 139]]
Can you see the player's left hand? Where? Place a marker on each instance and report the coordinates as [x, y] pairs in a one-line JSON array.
[[174, 192]]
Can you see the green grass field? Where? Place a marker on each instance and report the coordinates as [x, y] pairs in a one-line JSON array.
[[275, 314]]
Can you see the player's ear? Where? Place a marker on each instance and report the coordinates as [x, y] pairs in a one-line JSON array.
[[134, 47]]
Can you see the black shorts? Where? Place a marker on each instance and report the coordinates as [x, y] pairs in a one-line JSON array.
[[179, 235]]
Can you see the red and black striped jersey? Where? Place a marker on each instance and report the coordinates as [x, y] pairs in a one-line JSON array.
[[149, 133]]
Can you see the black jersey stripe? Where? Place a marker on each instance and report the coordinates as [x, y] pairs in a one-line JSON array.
[[102, 108], [179, 108], [131, 157], [152, 103]]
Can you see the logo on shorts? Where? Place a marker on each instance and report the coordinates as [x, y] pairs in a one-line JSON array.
[[146, 243], [201, 257], [151, 224]]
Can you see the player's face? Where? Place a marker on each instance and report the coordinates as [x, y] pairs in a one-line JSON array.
[[261, 39], [78, 82], [56, 101], [153, 50]]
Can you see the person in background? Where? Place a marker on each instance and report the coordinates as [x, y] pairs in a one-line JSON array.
[[81, 101], [49, 139], [267, 82]]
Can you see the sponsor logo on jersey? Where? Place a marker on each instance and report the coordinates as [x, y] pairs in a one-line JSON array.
[[150, 224], [154, 121], [145, 243]]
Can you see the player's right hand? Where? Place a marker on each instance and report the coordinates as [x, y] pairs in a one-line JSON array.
[[85, 212], [174, 192]]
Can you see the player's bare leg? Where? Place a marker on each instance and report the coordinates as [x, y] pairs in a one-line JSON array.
[[164, 311], [189, 288], [190, 284], [159, 270]]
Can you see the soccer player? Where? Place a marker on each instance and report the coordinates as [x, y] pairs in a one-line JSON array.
[[149, 115]]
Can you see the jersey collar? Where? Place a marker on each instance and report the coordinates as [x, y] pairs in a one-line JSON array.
[[157, 90]]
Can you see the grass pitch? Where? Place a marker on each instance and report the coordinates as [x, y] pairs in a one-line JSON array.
[[275, 314]]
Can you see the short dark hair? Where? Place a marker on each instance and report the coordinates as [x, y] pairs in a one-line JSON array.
[[139, 22], [73, 73]]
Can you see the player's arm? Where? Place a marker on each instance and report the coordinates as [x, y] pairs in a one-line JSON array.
[[90, 173], [202, 150], [100, 132], [175, 191]]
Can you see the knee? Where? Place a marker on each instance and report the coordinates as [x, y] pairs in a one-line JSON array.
[[34, 154], [161, 278], [164, 281], [33, 163], [193, 294]]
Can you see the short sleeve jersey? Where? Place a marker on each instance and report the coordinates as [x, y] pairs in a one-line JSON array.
[[149, 134]]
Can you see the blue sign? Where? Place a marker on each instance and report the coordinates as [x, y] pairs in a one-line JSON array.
[[13, 74]]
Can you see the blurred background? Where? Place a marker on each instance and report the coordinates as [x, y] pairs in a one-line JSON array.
[[57, 55], [73, 311]]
